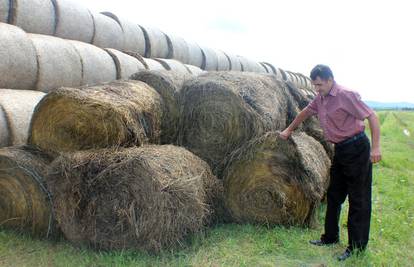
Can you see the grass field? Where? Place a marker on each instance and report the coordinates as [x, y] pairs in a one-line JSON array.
[[391, 241]]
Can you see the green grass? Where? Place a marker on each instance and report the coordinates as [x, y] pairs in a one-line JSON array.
[[391, 241]]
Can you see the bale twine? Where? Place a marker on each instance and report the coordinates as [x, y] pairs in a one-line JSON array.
[[148, 198], [134, 40], [108, 33], [34, 16], [4, 129], [177, 48], [126, 65], [121, 113], [97, 65], [223, 62], [273, 181], [220, 111], [194, 70], [235, 64], [17, 108], [18, 63], [173, 65], [156, 44], [58, 62], [154, 64], [4, 11], [167, 84], [73, 21], [25, 203], [195, 54], [210, 60]]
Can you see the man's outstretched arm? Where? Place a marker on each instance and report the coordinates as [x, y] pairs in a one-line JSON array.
[[303, 115]]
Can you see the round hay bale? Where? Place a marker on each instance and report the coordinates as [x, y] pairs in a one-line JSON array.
[[210, 60], [4, 11], [195, 54], [269, 67], [173, 65], [121, 113], [137, 56], [220, 111], [18, 62], [235, 64], [18, 106], [194, 70], [272, 181], [223, 62], [126, 65], [73, 21], [250, 65], [25, 203], [58, 62], [148, 198], [34, 16], [283, 74], [156, 44], [154, 64], [108, 33], [177, 48], [167, 84], [4, 129], [97, 65], [134, 40]]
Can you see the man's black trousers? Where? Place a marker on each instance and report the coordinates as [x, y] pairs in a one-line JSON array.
[[351, 175]]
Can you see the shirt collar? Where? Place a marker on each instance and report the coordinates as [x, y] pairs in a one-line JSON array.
[[334, 89]]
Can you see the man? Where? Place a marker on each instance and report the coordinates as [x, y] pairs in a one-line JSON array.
[[341, 114]]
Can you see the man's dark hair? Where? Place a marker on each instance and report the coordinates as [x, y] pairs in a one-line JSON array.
[[321, 71]]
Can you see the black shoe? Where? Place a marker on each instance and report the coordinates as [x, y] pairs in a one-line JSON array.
[[345, 255], [322, 242]]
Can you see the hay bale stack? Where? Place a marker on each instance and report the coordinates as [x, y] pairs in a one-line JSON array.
[[97, 65], [210, 60], [194, 70], [121, 113], [153, 64], [177, 48], [167, 84], [126, 65], [58, 62], [235, 64], [17, 107], [4, 11], [173, 65], [195, 54], [272, 181], [223, 62], [156, 44], [148, 198], [134, 40], [25, 203], [73, 21], [223, 110], [18, 63], [34, 16], [108, 33]]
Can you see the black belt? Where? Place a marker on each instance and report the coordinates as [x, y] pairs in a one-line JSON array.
[[350, 139]]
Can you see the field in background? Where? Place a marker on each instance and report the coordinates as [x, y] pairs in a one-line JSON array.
[[391, 242]]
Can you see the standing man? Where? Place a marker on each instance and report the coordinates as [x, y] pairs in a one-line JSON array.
[[341, 114]]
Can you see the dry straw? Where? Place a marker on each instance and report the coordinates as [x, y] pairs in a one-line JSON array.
[[273, 181], [223, 110], [148, 198], [25, 203], [121, 113]]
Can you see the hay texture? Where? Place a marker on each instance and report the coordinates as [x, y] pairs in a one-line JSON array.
[[195, 54], [73, 21], [276, 182], [58, 61], [153, 64], [167, 84], [134, 40], [18, 63], [177, 48], [34, 16], [17, 107], [223, 62], [108, 32], [210, 60], [147, 198], [126, 65], [156, 44], [121, 113], [25, 203], [97, 65], [4, 11], [173, 65], [220, 111]]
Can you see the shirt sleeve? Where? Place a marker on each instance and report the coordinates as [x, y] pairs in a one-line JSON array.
[[355, 106], [312, 107]]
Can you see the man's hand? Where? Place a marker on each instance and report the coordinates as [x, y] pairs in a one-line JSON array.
[[285, 134], [375, 155]]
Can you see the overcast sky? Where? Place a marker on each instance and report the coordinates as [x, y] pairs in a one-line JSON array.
[[368, 44]]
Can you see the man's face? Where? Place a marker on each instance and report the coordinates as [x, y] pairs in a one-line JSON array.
[[323, 87]]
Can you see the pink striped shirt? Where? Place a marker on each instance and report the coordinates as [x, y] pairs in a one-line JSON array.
[[341, 113]]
